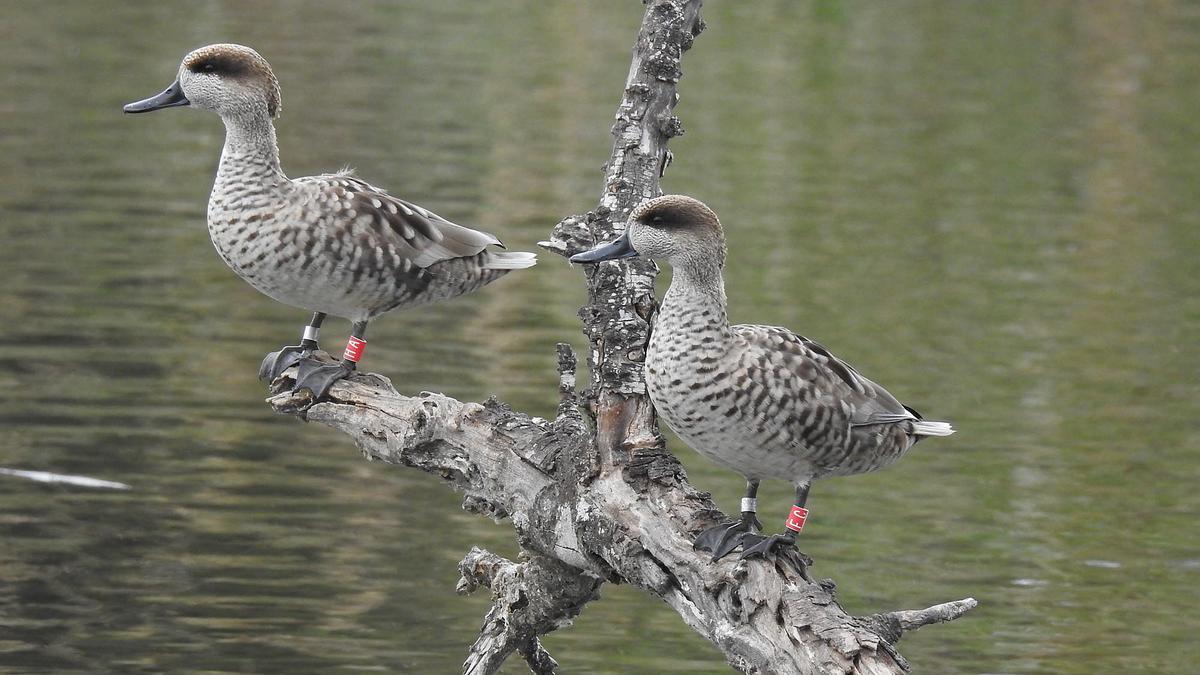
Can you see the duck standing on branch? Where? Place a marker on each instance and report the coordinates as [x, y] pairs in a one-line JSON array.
[[760, 400], [331, 244]]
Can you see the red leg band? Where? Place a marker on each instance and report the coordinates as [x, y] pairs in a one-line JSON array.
[[796, 518], [354, 349]]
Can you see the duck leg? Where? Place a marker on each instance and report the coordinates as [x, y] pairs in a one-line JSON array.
[[277, 362], [719, 540], [318, 377], [754, 545]]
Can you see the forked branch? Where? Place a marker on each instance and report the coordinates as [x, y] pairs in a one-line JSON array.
[[606, 501]]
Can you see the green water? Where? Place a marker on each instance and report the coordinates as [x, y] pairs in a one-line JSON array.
[[991, 208]]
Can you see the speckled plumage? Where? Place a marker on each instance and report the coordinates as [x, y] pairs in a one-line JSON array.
[[760, 400], [333, 243], [764, 401], [337, 245]]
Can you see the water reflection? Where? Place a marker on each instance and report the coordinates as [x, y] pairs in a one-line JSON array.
[[989, 207]]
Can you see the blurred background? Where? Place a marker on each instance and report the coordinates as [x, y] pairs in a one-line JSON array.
[[990, 208]]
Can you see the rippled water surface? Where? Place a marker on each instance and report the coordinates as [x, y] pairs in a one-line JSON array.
[[991, 208]]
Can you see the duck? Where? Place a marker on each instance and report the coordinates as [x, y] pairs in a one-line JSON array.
[[760, 400], [331, 244]]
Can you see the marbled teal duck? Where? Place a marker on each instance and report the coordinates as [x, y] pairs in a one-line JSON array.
[[331, 244], [760, 400]]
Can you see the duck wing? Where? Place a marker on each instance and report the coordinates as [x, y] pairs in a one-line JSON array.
[[372, 218], [794, 378]]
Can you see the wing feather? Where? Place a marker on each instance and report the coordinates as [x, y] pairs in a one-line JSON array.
[[415, 233], [817, 382]]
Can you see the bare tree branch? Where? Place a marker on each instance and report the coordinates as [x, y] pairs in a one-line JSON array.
[[610, 504], [529, 599], [892, 625]]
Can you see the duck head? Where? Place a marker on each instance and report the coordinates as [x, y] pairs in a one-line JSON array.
[[681, 230], [230, 80]]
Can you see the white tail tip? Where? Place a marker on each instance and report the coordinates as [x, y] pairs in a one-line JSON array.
[[924, 428], [510, 260]]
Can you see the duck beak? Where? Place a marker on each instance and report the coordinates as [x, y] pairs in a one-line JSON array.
[[171, 97], [614, 250]]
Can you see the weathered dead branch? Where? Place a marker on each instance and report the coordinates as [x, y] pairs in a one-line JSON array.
[[601, 499]]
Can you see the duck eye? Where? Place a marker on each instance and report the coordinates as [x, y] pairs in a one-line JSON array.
[[209, 68], [657, 220]]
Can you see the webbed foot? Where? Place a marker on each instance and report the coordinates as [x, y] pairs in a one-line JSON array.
[[318, 376], [276, 362], [754, 545], [720, 540], [778, 545]]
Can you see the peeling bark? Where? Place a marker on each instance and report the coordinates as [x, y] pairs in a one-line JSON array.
[[608, 502]]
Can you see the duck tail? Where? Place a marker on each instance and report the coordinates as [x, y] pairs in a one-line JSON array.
[[927, 428], [509, 260]]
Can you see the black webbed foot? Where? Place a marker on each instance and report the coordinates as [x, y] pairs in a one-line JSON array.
[[754, 545], [782, 546], [276, 362], [318, 376], [722, 539]]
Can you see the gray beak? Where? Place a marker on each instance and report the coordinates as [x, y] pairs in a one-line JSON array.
[[172, 97], [615, 250]]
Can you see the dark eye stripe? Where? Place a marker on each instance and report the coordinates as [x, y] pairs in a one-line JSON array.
[[205, 66], [661, 222], [220, 64]]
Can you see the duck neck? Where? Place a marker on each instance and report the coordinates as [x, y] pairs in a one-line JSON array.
[[695, 302], [250, 149]]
